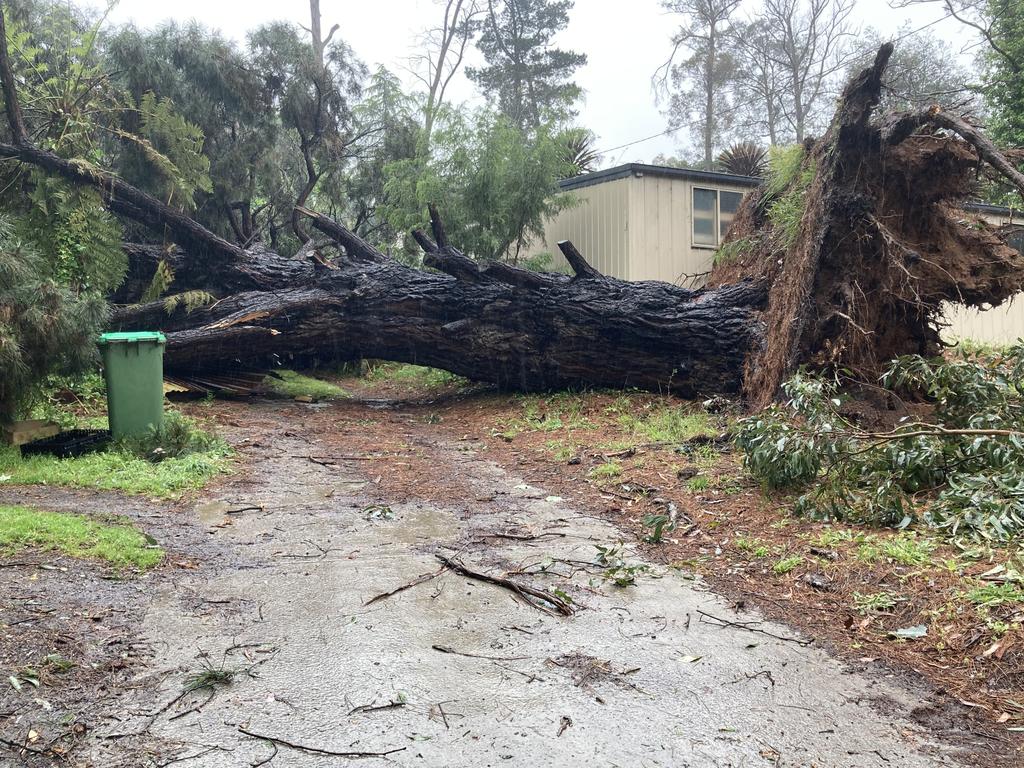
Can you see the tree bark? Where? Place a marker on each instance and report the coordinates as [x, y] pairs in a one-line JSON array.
[[511, 327]]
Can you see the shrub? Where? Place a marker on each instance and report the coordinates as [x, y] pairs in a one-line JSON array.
[[178, 436], [962, 471]]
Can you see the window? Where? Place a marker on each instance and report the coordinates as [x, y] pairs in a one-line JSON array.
[[713, 212]]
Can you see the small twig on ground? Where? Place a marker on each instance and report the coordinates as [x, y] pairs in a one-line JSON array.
[[376, 707], [240, 510], [418, 580], [446, 649], [195, 707], [525, 591], [19, 747], [316, 750], [746, 625]]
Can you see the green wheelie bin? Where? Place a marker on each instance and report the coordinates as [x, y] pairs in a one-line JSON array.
[[133, 366]]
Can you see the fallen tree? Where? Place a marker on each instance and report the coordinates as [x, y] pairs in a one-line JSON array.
[[863, 278]]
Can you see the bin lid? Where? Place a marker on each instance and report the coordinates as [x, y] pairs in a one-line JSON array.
[[131, 337]]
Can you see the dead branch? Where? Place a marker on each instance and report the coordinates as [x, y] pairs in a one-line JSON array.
[[315, 750], [525, 591], [418, 580]]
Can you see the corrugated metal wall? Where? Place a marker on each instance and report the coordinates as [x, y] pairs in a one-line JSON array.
[[661, 238], [598, 227]]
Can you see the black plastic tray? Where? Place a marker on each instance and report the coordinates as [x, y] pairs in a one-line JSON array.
[[69, 444]]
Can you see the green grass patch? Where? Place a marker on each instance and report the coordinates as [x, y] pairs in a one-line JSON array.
[[904, 549], [606, 471], [875, 601], [412, 376], [659, 423], [119, 544], [287, 383], [178, 458]]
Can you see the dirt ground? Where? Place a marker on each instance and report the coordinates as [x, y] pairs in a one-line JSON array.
[[307, 590]]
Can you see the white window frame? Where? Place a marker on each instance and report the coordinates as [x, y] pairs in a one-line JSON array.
[[718, 214]]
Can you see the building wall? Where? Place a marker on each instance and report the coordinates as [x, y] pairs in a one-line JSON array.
[[660, 242], [598, 227], [1000, 325]]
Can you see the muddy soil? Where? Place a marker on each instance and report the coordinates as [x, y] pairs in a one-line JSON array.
[[325, 627]]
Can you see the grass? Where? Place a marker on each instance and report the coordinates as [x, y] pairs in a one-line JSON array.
[[119, 544], [291, 384], [667, 424], [606, 471], [904, 549], [117, 471], [412, 376], [991, 595]]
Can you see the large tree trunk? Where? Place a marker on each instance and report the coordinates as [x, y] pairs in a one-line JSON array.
[[512, 327]]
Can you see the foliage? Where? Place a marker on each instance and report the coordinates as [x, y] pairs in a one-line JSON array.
[[659, 524], [291, 384], [700, 70], [666, 424], [961, 472], [176, 437], [745, 158], [734, 249], [580, 155], [495, 185], [119, 543], [1003, 76], [524, 75], [45, 328], [790, 176]]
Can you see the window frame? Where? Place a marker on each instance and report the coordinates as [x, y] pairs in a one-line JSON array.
[[719, 238]]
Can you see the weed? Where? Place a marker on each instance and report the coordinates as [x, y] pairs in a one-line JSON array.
[[658, 523], [58, 662], [661, 423], [120, 544], [873, 602], [756, 547], [287, 383], [616, 570], [561, 450], [991, 595], [786, 564], [176, 437], [729, 252], [904, 549]]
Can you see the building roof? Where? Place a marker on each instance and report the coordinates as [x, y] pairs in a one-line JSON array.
[[712, 177], [641, 169]]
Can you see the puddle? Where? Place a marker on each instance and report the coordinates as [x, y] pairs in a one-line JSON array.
[[212, 512]]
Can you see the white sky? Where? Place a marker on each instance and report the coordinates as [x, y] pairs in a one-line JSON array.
[[625, 41]]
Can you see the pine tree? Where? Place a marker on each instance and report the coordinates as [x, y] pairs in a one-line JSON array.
[[45, 328], [528, 79]]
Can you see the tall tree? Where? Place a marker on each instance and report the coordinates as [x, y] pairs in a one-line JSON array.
[[760, 84], [699, 84], [443, 50], [316, 83], [810, 41], [528, 78]]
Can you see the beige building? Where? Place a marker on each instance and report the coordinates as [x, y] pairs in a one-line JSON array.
[[650, 222]]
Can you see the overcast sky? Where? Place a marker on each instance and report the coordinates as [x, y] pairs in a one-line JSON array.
[[625, 42]]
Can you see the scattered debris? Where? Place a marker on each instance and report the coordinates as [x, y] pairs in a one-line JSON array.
[[315, 750]]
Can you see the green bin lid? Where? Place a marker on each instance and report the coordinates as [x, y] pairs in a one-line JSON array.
[[129, 337]]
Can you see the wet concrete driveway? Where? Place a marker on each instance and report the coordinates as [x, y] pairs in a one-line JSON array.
[[454, 671]]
